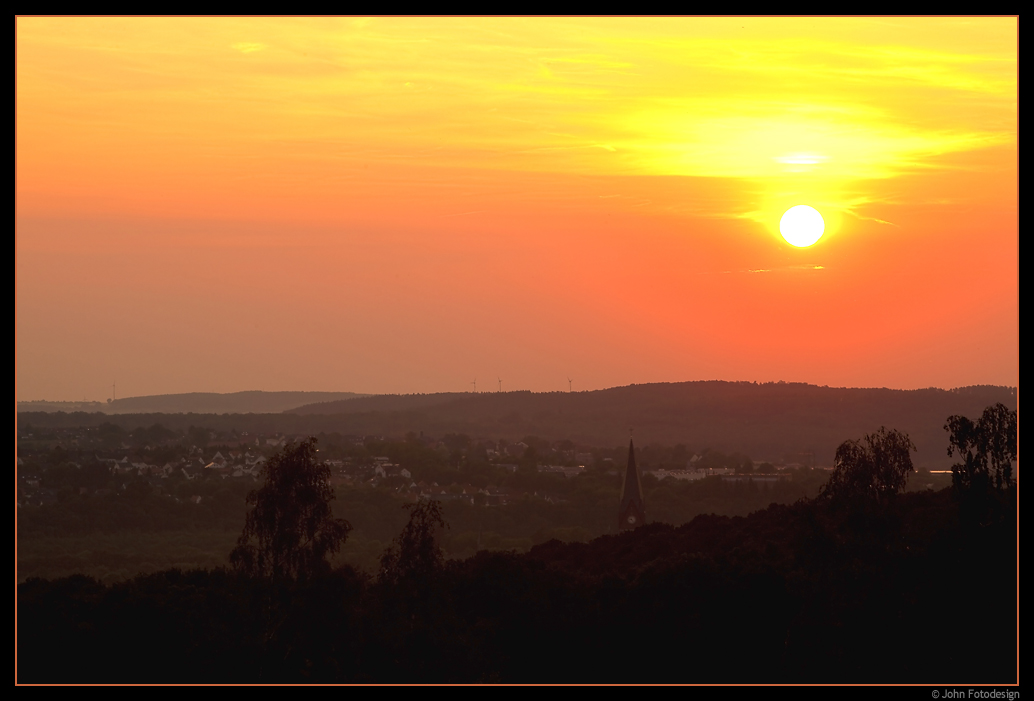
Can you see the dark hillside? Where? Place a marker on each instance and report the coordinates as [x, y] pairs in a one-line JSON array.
[[777, 422], [800, 594], [774, 421]]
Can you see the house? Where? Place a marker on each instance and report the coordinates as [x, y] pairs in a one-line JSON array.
[[768, 479], [689, 475], [562, 470]]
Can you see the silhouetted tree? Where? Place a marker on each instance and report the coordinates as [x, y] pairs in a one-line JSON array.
[[987, 447], [415, 553], [983, 480], [289, 531], [871, 469]]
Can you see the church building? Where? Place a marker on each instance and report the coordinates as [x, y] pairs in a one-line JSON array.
[[631, 508]]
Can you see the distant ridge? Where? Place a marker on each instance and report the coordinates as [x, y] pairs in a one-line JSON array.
[[666, 392], [770, 420], [250, 402], [792, 422]]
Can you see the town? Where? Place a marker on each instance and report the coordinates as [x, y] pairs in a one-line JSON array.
[[152, 482]]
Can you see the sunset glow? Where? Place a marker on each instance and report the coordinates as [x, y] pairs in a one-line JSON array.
[[405, 204]]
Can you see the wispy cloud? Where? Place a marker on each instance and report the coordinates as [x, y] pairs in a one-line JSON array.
[[755, 271], [248, 47]]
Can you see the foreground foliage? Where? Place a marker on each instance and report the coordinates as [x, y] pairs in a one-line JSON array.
[[803, 593]]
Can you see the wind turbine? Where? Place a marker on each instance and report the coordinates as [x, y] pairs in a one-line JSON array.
[[475, 383], [500, 384], [568, 384]]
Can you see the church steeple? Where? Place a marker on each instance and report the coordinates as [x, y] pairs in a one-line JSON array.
[[631, 509]]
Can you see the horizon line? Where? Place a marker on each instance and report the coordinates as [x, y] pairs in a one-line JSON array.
[[513, 391]]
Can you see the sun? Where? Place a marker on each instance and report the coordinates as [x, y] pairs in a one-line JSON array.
[[801, 226]]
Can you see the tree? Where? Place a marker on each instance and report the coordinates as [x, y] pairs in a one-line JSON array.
[[872, 469], [289, 531], [988, 449], [415, 554]]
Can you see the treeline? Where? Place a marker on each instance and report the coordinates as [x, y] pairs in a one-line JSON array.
[[802, 593]]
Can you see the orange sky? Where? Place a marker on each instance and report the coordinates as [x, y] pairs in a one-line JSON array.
[[405, 205]]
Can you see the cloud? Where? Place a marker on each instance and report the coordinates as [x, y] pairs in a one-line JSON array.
[[247, 47], [754, 271]]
